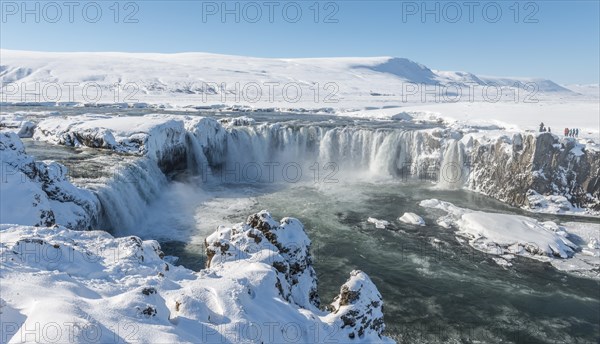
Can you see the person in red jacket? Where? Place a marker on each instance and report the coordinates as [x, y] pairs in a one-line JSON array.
[[566, 131]]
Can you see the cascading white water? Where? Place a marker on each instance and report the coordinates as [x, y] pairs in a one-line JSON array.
[[196, 159], [125, 198], [271, 148], [454, 170]]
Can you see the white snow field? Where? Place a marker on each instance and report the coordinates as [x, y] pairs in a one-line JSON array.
[[365, 87]]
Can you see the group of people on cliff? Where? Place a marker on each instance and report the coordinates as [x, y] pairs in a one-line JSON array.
[[571, 132], [568, 132]]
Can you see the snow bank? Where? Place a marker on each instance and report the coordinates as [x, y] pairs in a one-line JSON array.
[[554, 204], [412, 218], [586, 261], [505, 230], [260, 287]]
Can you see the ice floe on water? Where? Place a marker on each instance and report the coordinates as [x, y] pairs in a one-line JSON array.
[[381, 224], [569, 247], [412, 218]]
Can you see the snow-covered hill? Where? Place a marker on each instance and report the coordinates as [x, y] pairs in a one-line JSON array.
[[209, 79]]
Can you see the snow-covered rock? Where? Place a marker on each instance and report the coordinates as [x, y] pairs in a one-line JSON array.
[[515, 233], [359, 308], [39, 193], [98, 288], [586, 261], [285, 245], [412, 218], [237, 121], [571, 246], [161, 138]]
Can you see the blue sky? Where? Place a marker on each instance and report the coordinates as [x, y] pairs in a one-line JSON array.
[[553, 39]]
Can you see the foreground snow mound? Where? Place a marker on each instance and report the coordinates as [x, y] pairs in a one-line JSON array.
[[101, 289], [92, 286], [280, 253], [505, 233], [412, 218], [39, 193]]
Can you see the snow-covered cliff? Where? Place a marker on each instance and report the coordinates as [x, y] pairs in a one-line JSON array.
[[540, 172]]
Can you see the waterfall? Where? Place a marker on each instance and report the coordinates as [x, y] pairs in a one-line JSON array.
[[379, 153], [453, 170], [282, 152], [197, 162], [125, 197]]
